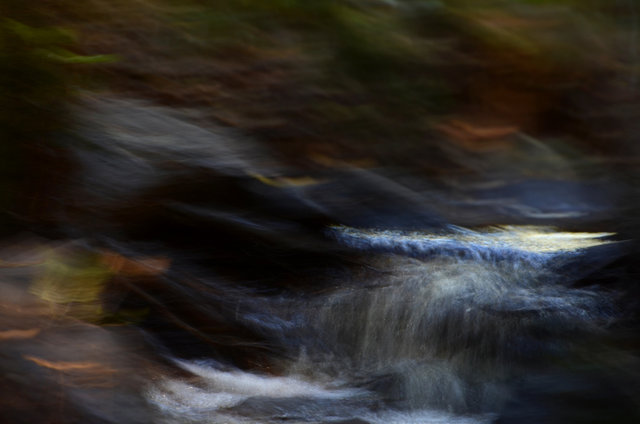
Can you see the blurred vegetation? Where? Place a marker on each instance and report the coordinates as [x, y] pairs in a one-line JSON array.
[[394, 81], [38, 76], [76, 282], [348, 77], [72, 283]]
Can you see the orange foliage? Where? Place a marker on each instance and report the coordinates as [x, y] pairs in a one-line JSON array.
[[70, 366], [145, 266]]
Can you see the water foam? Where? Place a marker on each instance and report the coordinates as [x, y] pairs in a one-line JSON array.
[[217, 389], [524, 243]]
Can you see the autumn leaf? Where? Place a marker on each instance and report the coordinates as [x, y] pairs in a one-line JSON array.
[[70, 366], [143, 266], [19, 334]]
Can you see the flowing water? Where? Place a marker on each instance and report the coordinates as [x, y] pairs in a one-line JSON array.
[[437, 338], [347, 296]]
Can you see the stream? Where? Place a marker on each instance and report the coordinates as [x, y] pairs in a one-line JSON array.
[[344, 295]]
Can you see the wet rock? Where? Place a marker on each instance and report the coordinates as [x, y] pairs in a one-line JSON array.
[[348, 421], [303, 408], [584, 397]]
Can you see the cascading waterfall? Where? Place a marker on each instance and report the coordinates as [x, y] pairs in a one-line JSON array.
[[447, 327], [449, 322]]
